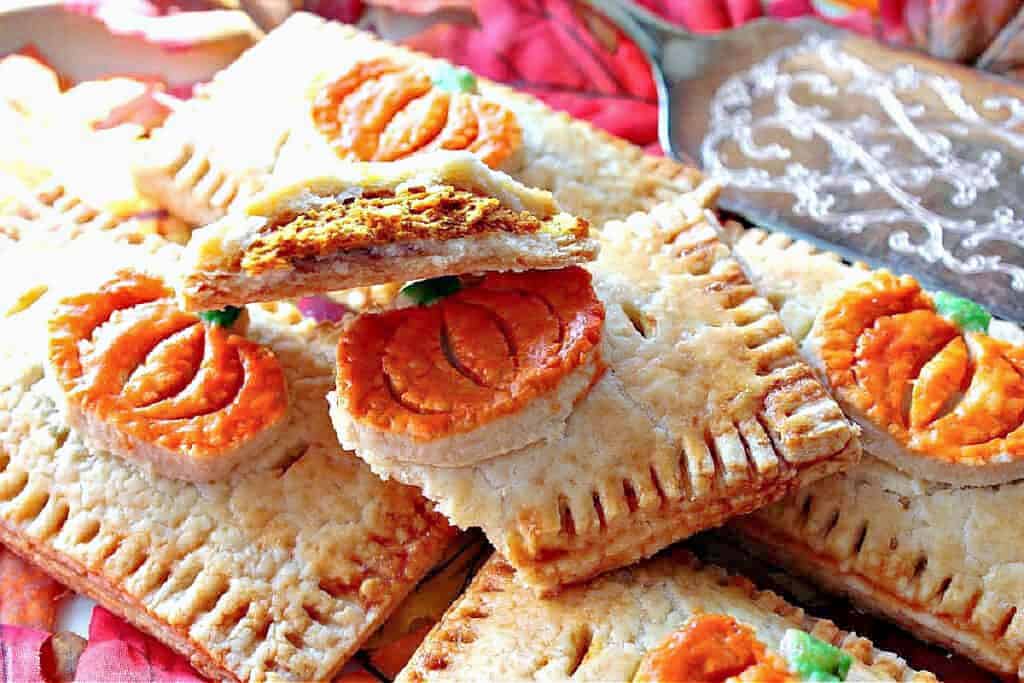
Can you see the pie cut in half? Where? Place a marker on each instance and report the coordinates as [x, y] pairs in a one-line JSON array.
[[943, 557], [585, 418], [281, 569], [366, 224], [668, 619], [317, 92]]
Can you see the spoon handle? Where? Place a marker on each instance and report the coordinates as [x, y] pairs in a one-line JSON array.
[[651, 34]]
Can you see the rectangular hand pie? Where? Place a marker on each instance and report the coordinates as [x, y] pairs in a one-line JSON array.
[[586, 419], [924, 530], [435, 214], [277, 568], [66, 165], [668, 619], [314, 92]]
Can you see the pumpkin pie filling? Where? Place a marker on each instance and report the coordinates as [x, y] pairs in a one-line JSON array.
[[381, 217], [940, 388], [477, 355], [379, 110], [156, 377]]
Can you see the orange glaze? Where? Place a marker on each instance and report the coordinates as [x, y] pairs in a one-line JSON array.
[[381, 111], [473, 357], [712, 648], [127, 356], [957, 397]]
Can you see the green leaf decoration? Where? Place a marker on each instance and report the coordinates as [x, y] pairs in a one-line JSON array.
[[813, 659], [224, 317], [426, 292], [454, 79], [966, 314]]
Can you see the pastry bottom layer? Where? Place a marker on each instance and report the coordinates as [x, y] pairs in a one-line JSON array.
[[206, 290], [647, 531]]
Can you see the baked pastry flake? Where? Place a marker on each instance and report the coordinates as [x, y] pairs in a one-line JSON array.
[[367, 224], [702, 409], [607, 629]]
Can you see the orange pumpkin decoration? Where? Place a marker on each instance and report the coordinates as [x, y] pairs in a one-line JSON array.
[[955, 396], [476, 355], [379, 110], [158, 380], [712, 648]]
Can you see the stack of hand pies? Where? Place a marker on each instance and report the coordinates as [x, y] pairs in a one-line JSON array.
[[534, 330]]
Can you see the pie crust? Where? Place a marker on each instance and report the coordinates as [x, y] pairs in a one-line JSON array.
[[255, 118], [443, 213], [279, 572], [943, 560], [600, 631], [705, 411]]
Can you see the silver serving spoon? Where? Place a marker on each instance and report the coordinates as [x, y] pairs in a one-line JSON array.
[[883, 155]]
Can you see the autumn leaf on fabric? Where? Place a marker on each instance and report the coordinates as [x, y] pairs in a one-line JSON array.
[[28, 597], [119, 653], [959, 30], [560, 51], [19, 654]]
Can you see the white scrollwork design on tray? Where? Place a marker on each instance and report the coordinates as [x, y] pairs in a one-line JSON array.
[[860, 150]]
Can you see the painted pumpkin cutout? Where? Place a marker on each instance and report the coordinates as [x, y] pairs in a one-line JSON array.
[[713, 648], [481, 353], [149, 382], [379, 110], [945, 393]]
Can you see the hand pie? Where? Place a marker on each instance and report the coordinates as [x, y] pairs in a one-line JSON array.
[[64, 170], [667, 619], [367, 224], [936, 395], [586, 420], [316, 92], [944, 559], [277, 572]]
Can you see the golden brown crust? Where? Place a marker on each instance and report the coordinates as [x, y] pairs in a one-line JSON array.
[[600, 630], [202, 162]]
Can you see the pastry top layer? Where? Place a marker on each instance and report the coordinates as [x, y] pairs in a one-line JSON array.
[[277, 572], [439, 196], [937, 395], [601, 630], [219, 149]]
